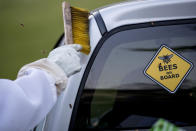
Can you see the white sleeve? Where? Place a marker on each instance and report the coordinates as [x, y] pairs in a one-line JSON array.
[[26, 101]]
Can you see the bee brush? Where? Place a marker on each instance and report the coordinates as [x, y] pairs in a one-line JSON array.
[[76, 26]]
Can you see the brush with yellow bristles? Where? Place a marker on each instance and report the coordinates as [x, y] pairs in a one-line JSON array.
[[76, 26]]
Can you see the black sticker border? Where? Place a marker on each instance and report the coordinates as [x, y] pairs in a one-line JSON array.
[[191, 67]]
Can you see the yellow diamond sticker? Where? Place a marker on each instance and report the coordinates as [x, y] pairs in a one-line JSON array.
[[168, 69]]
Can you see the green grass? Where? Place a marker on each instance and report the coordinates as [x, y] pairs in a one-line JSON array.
[[30, 28]]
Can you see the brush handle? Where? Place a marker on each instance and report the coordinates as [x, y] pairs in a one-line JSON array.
[[67, 23]]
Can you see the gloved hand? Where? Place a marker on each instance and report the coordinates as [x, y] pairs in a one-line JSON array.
[[61, 63], [66, 57]]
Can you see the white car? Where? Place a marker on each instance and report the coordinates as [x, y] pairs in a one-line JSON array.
[[116, 89]]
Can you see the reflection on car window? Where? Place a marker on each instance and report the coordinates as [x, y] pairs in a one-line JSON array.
[[117, 94]]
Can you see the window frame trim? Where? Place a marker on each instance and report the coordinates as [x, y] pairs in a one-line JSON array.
[[100, 44]]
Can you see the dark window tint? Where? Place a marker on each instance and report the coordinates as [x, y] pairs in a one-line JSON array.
[[117, 95]]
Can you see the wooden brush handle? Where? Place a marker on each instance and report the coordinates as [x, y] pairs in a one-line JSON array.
[[67, 23]]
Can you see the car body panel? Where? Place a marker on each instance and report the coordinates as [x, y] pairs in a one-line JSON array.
[[147, 11]]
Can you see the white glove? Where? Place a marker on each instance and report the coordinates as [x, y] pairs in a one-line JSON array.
[[60, 64], [67, 58]]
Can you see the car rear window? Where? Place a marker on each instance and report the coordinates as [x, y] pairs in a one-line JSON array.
[[117, 94]]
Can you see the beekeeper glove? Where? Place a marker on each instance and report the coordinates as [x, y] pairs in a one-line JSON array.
[[60, 64], [67, 57]]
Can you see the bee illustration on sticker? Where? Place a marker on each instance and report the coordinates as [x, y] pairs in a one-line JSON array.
[[166, 58]]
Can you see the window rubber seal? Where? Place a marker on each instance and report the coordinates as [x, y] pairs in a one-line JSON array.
[[100, 44], [100, 22]]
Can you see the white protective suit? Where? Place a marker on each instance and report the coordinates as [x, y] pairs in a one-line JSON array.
[[25, 101]]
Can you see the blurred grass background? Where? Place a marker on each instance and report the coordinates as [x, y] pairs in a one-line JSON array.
[[30, 28]]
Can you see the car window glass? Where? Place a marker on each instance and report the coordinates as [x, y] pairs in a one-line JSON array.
[[117, 94]]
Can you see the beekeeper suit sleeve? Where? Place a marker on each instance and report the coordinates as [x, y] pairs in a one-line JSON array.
[[25, 101]]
